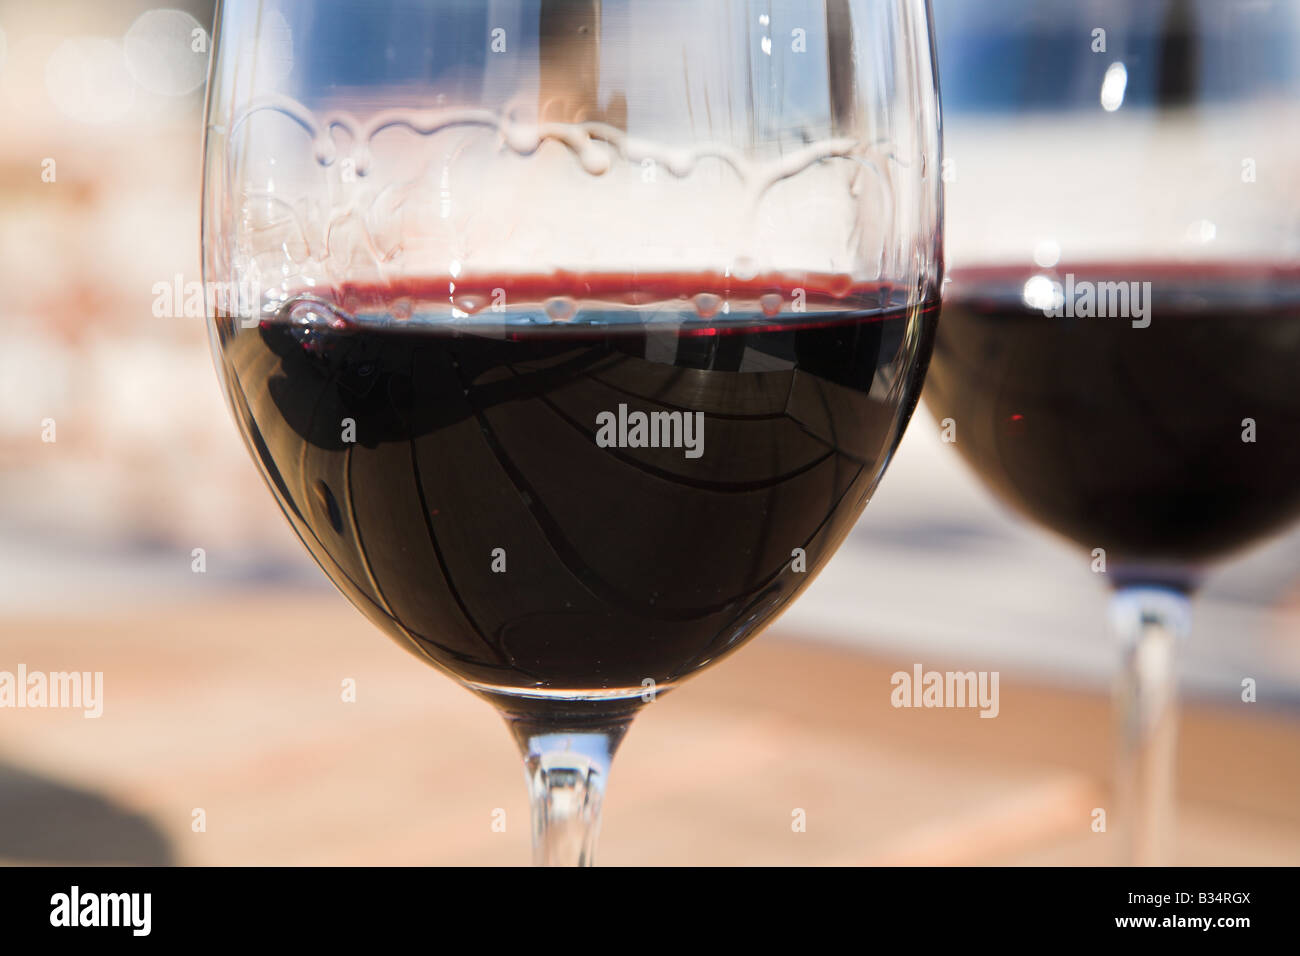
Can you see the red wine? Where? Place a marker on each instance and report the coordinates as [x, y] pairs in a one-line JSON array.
[[1120, 434], [577, 507]]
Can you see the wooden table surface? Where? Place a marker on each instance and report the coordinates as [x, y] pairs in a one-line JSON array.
[[234, 706]]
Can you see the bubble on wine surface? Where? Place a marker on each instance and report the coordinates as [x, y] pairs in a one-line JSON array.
[[560, 308], [470, 303], [315, 324], [707, 305]]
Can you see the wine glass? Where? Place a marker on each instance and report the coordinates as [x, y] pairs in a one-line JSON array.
[[1122, 325], [572, 337]]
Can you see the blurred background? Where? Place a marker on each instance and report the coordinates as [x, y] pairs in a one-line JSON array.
[[222, 688]]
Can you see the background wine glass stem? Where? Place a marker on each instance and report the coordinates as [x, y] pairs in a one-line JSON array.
[[1149, 623]]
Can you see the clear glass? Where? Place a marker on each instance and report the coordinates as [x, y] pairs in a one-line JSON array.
[[457, 246], [1155, 146]]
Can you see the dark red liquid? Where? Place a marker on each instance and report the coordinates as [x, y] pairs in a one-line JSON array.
[[1131, 439], [622, 564]]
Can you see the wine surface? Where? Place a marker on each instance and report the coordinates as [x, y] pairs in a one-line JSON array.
[[582, 491]]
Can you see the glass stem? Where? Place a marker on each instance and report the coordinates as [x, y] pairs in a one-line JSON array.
[[1149, 622], [566, 767]]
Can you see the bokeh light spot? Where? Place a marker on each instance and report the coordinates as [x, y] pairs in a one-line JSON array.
[[160, 52]]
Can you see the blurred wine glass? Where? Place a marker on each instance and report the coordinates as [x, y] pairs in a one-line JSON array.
[[1122, 320]]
